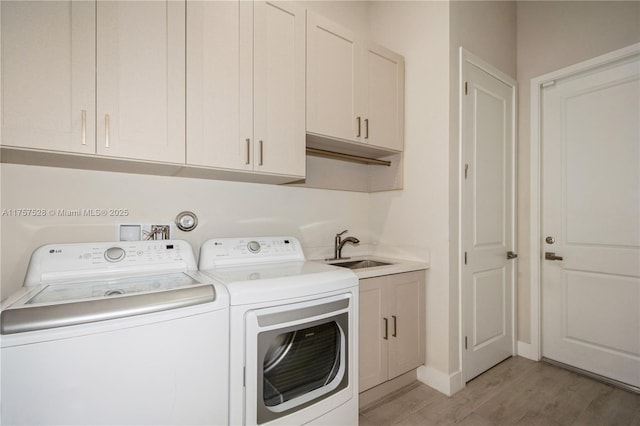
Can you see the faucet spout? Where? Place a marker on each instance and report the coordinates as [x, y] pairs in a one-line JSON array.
[[352, 240], [339, 244]]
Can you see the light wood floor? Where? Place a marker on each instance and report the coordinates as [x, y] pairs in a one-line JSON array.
[[516, 392]]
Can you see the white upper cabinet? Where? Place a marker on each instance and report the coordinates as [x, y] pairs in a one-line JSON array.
[[383, 97], [245, 86], [219, 91], [355, 88], [141, 80], [48, 72], [101, 77], [332, 58], [279, 88]]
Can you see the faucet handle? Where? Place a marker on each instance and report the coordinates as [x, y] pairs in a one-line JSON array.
[[342, 233]]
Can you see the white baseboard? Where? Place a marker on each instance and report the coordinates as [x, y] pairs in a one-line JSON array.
[[447, 384], [529, 351]]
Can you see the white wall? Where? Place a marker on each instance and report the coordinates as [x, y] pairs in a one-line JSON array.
[[417, 218], [551, 36], [225, 209]]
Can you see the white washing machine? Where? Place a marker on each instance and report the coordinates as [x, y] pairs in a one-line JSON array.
[[294, 333], [125, 333]]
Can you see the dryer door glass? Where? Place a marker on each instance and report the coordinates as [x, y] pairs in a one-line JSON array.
[[301, 361]]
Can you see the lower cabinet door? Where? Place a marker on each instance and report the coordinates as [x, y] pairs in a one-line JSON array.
[[372, 345], [406, 322], [392, 327]]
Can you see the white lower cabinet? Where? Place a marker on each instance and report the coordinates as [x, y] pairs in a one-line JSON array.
[[392, 327]]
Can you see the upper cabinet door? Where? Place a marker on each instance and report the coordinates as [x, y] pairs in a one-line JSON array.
[[279, 88], [383, 92], [219, 84], [141, 80], [332, 61], [48, 63]]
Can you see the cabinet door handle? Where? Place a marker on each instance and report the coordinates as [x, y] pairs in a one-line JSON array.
[[395, 324], [107, 124], [358, 119], [386, 329], [366, 128], [261, 153], [248, 160], [83, 129]]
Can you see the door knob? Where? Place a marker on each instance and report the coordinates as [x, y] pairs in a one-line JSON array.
[[550, 240], [552, 256], [511, 255]]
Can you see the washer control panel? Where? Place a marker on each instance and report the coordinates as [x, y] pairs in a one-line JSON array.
[[58, 261], [232, 251]]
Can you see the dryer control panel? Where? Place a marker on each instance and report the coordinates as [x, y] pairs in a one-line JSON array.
[[240, 251], [68, 261]]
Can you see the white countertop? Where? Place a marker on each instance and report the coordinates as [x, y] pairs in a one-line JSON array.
[[396, 266]]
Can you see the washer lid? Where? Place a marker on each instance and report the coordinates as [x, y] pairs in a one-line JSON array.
[[111, 287], [66, 304]]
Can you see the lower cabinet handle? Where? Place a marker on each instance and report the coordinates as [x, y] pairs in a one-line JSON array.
[[248, 153], [395, 324], [83, 130], [358, 119], [366, 128], [261, 152], [386, 329], [107, 124]]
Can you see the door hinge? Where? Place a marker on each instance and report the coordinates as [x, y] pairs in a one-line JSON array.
[[465, 257], [466, 88], [466, 170], [465, 342]]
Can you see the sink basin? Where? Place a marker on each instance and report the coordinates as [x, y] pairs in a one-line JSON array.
[[358, 264]]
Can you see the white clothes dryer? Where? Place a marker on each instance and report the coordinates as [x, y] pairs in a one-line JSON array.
[[294, 333], [122, 333]]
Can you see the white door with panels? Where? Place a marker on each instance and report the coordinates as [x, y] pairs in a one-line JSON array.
[[488, 216], [591, 220]]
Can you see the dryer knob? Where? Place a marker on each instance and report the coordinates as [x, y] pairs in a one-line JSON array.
[[114, 254], [253, 246]]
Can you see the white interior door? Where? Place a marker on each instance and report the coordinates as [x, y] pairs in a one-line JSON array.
[[488, 219], [591, 221]]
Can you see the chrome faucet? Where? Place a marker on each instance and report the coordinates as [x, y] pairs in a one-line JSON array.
[[339, 243]]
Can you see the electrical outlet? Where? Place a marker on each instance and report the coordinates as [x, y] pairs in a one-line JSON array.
[[144, 231]]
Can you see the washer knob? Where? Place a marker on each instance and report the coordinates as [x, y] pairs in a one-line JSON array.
[[114, 254], [253, 246]]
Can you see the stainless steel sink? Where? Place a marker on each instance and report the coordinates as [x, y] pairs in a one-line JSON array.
[[358, 264]]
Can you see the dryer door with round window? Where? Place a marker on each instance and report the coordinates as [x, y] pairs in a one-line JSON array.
[[301, 356]]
